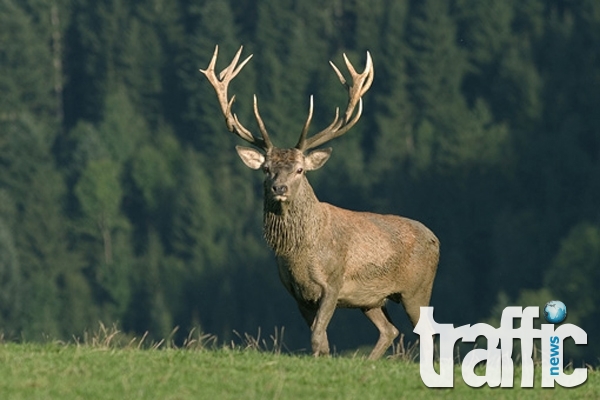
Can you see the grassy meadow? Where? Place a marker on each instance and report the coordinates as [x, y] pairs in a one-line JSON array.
[[105, 370]]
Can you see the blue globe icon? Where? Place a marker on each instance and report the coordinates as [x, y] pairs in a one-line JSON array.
[[555, 311]]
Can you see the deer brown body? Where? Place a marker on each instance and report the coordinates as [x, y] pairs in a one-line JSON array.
[[329, 257]]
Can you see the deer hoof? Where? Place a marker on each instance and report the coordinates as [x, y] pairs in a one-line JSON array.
[[320, 346]]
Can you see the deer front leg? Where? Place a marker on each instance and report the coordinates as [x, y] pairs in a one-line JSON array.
[[327, 305], [309, 314]]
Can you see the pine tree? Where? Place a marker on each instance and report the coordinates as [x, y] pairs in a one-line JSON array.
[[394, 140], [41, 271], [11, 301], [26, 73], [39, 232], [575, 270]]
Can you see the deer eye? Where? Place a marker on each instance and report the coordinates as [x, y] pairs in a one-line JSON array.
[[299, 170]]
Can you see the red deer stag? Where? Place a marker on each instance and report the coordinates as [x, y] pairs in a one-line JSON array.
[[329, 257]]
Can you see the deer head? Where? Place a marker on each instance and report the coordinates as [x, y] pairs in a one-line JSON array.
[[285, 168]]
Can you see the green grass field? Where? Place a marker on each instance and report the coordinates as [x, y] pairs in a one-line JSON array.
[[57, 371], [87, 371]]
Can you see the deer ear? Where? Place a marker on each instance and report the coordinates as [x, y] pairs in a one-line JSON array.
[[251, 157], [317, 158]]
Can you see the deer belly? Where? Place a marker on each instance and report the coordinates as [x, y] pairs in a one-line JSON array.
[[362, 295]]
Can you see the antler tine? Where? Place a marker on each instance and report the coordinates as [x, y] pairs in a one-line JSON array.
[[338, 73], [220, 84], [213, 61], [360, 84], [234, 125], [261, 125], [369, 79], [302, 139], [231, 70], [349, 65]]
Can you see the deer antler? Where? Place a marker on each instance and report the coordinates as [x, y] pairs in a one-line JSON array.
[[360, 84], [220, 84]]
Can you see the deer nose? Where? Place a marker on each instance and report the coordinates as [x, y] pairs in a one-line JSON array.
[[279, 190]]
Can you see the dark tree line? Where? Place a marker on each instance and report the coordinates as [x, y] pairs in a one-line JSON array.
[[122, 198]]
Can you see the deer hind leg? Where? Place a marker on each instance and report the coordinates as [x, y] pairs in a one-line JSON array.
[[387, 331], [412, 305]]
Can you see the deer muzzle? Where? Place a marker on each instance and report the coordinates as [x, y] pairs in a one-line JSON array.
[[279, 190]]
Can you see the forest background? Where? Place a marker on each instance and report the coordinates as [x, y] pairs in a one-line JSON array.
[[122, 199]]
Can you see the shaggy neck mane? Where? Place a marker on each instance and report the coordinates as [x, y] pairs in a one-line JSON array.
[[289, 226]]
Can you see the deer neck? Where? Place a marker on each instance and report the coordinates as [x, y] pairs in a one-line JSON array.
[[290, 226]]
